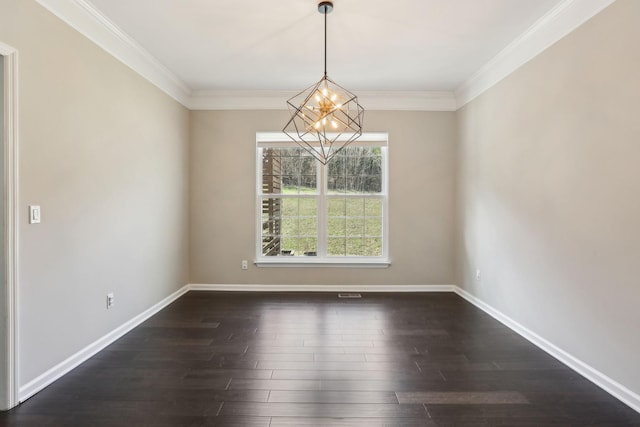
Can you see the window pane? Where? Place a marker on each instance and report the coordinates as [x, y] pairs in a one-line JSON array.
[[336, 227], [300, 167], [271, 171], [337, 207], [355, 226], [356, 170], [271, 226], [299, 246], [308, 246], [308, 183], [373, 227], [290, 184], [336, 221], [336, 246], [299, 206], [308, 226], [373, 247], [371, 183], [355, 206], [289, 246], [288, 171], [355, 247], [289, 226], [355, 184], [373, 206], [336, 184], [337, 168]]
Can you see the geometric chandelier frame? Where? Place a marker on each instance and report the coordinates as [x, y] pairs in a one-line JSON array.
[[325, 117]]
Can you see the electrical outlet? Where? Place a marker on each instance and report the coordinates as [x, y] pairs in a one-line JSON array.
[[478, 275], [245, 264], [111, 300]]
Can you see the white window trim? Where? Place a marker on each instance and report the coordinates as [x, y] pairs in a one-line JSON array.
[[278, 139]]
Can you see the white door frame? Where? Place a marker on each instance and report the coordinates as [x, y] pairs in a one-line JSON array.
[[9, 372]]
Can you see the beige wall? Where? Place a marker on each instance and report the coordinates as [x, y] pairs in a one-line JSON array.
[[105, 154], [550, 194], [421, 195]]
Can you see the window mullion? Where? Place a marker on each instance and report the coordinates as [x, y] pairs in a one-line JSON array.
[[258, 200], [321, 171]]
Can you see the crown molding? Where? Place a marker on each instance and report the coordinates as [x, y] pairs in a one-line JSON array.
[[553, 26], [276, 100], [240, 99], [85, 18], [409, 100]]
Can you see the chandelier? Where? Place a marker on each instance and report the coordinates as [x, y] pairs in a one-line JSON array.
[[325, 117]]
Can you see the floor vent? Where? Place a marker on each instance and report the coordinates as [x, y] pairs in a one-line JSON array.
[[349, 295]]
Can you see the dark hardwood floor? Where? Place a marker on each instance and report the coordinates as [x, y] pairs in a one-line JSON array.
[[241, 359]]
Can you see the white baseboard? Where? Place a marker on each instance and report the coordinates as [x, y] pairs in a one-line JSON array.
[[39, 383], [321, 288], [609, 385]]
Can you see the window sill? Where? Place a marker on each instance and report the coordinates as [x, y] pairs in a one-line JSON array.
[[323, 262]]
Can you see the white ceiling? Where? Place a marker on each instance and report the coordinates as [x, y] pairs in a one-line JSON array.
[[278, 45], [450, 50]]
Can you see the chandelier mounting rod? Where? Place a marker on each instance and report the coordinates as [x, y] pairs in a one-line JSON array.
[[325, 7]]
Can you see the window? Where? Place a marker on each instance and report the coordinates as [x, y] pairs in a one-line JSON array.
[[309, 213]]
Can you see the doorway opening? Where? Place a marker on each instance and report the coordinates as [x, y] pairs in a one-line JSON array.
[[8, 227]]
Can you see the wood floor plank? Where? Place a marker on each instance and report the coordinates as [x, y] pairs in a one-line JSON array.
[[309, 359], [281, 357], [462, 397], [335, 410], [340, 385], [280, 349], [234, 421], [495, 413], [324, 357], [339, 366], [362, 375], [324, 396], [337, 343], [352, 422]]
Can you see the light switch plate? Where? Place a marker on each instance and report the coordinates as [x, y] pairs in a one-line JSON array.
[[34, 214]]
